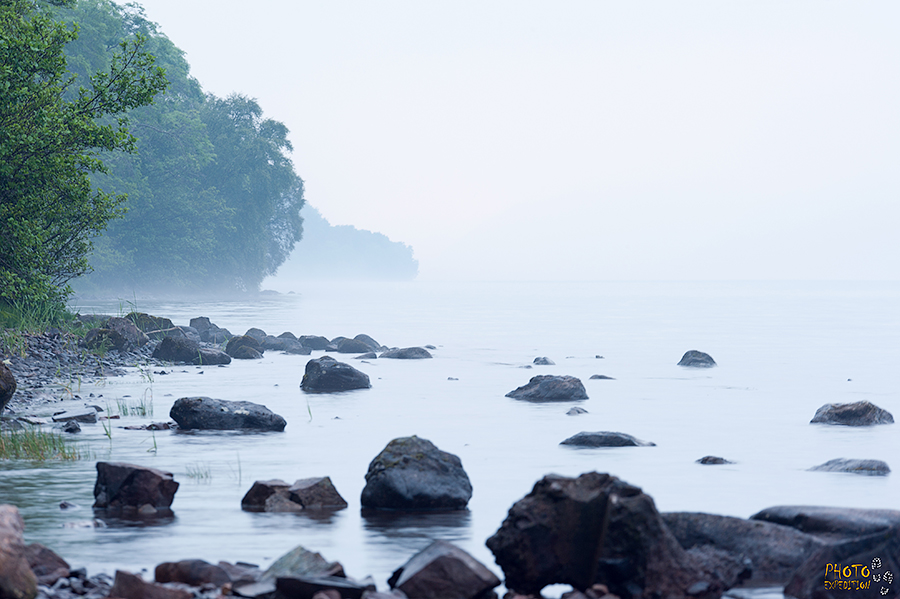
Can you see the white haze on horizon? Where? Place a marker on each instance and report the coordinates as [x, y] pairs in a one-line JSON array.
[[581, 140]]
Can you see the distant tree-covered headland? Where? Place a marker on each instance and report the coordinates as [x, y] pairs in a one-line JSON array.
[[213, 199]]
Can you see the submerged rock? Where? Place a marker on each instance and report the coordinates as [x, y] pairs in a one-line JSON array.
[[407, 353], [327, 375], [605, 439], [576, 411], [601, 377], [711, 460], [128, 487], [411, 473], [207, 413], [870, 467], [832, 522], [860, 413], [546, 387], [697, 359], [543, 361], [443, 570]]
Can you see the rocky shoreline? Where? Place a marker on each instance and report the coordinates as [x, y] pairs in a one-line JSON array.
[[594, 532]]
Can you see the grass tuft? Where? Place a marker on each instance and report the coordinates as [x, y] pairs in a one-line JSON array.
[[31, 443]]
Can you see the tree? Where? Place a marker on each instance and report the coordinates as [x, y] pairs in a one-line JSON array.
[[51, 137]]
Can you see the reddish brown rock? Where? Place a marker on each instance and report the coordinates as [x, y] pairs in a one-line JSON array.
[[194, 572], [129, 487], [443, 570], [277, 496], [316, 493], [7, 385], [17, 581], [47, 566], [132, 586]]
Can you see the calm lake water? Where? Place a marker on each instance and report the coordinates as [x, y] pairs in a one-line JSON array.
[[783, 350]]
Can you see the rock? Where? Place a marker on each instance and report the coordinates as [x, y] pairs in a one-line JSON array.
[[190, 332], [243, 341], [327, 375], [257, 334], [352, 346], [412, 474], [177, 349], [697, 359], [70, 426], [832, 523], [817, 578], [576, 411], [146, 322], [371, 343], [133, 586], [870, 467], [7, 385], [209, 332], [16, 578], [774, 550], [366, 356], [241, 572], [295, 347], [321, 587], [255, 590], [288, 335], [194, 572], [860, 413], [443, 570], [547, 387], [278, 343], [300, 562], [316, 493], [601, 377], [314, 342], [277, 496], [47, 566], [132, 337], [103, 339], [88, 415], [208, 356], [407, 353], [128, 487], [543, 361], [711, 460], [596, 529], [207, 413], [245, 352], [605, 439]]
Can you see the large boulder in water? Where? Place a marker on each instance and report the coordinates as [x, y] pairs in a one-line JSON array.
[[177, 349], [7, 385], [596, 529], [327, 375], [412, 474], [697, 359], [128, 487], [314, 342], [605, 439], [860, 413], [548, 387], [147, 322], [210, 332], [443, 570], [774, 551], [275, 495], [257, 334], [407, 353], [208, 356], [207, 413], [869, 467]]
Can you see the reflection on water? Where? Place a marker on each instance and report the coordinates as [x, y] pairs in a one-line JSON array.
[[163, 517]]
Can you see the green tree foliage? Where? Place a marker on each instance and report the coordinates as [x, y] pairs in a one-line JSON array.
[[213, 199], [52, 133]]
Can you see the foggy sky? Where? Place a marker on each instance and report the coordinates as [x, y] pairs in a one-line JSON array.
[[582, 139]]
